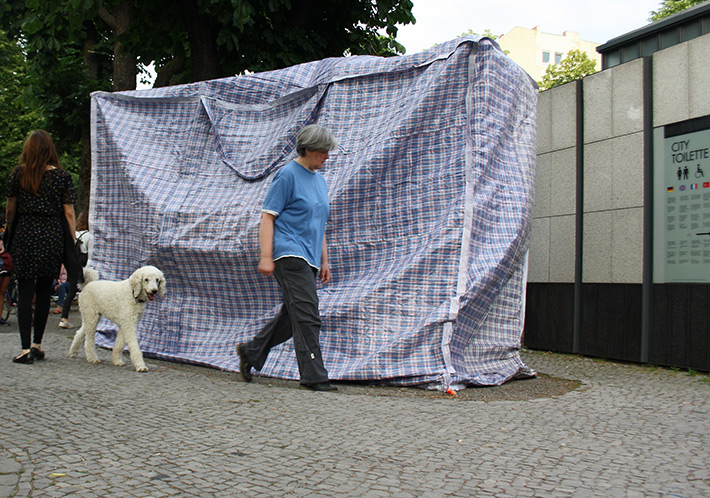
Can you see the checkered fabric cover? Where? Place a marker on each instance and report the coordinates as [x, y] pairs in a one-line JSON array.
[[431, 192]]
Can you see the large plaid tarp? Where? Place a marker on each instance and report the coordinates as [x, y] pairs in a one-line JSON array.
[[431, 191]]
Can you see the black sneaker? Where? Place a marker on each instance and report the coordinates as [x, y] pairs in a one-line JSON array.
[[320, 386], [244, 365]]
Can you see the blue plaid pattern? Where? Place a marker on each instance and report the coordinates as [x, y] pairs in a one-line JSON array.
[[431, 192]]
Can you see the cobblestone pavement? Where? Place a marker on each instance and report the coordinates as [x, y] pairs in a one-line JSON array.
[[69, 428]]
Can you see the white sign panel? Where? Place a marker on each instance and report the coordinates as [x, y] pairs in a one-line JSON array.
[[682, 204]]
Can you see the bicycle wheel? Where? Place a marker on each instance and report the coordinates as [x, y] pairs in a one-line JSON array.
[[7, 309], [10, 301]]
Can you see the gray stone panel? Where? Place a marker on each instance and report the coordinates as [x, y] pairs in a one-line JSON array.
[[597, 106], [539, 259], [627, 171], [627, 246], [598, 163], [699, 76], [627, 98], [562, 249], [542, 186], [564, 116], [670, 85], [563, 181], [544, 122], [596, 259]]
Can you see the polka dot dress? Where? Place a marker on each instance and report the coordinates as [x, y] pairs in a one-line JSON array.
[[38, 243]]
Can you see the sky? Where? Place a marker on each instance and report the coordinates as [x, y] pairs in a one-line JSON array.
[[596, 21]]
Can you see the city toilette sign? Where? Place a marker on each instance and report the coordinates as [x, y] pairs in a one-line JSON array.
[[682, 202]]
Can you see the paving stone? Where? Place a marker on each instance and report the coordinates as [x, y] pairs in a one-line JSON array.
[[181, 431]]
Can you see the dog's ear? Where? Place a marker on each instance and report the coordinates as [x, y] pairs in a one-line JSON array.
[[161, 285], [136, 282]]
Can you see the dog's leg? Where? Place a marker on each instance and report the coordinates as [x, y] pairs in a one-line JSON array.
[[118, 348], [89, 326], [135, 349], [76, 343]]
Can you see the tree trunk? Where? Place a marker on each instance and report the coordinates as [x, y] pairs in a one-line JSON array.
[[84, 188], [92, 66], [124, 64], [203, 46], [124, 78]]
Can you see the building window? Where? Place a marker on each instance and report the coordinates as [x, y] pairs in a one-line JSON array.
[[558, 57], [545, 57]]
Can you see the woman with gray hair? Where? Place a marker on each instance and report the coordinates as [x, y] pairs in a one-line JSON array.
[[293, 249]]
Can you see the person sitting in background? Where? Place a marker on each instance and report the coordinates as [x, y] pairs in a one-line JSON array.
[[84, 239], [60, 287], [5, 278]]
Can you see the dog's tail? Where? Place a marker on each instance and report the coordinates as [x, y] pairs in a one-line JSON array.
[[89, 276]]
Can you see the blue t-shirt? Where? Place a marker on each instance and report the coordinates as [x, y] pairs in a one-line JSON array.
[[298, 197]]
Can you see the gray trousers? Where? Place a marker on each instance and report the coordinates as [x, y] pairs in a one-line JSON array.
[[298, 318]]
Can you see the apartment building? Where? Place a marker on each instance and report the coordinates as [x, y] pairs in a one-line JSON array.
[[534, 50]]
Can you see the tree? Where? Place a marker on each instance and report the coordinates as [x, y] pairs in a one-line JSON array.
[[487, 33], [670, 7], [574, 66], [189, 40], [18, 114]]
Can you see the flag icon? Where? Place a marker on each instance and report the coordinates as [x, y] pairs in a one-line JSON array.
[[682, 188], [706, 184], [670, 189], [693, 186]]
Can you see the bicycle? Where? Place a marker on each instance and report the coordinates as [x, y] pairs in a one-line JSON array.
[[10, 295]]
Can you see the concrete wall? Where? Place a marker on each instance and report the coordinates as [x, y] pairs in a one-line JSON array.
[[613, 170], [611, 124]]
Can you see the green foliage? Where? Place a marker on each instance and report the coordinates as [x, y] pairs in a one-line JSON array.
[[574, 66], [670, 7], [487, 33], [19, 115], [74, 47]]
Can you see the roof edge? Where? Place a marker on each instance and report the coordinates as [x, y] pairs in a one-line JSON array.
[[677, 18]]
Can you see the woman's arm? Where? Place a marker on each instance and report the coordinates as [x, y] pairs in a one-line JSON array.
[[324, 266], [266, 242], [69, 214], [10, 211]]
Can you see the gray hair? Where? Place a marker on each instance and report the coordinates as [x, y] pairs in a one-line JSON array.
[[314, 137]]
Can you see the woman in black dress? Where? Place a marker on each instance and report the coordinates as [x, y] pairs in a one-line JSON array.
[[39, 193]]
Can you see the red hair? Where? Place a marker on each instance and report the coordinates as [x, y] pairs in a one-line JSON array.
[[37, 154]]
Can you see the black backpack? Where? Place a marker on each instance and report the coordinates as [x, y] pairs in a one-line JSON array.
[[83, 256]]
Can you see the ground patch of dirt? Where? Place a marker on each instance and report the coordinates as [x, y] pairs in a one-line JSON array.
[[541, 386]]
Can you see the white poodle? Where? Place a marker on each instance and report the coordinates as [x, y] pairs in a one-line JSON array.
[[121, 302]]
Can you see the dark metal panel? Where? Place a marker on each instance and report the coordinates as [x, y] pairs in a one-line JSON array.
[[699, 328], [549, 317], [680, 336], [612, 321], [678, 312], [658, 344]]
